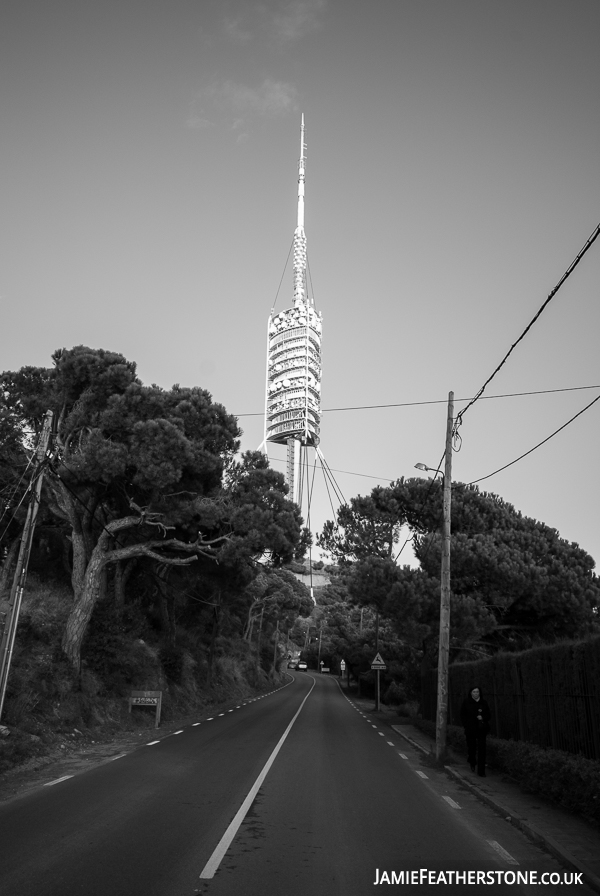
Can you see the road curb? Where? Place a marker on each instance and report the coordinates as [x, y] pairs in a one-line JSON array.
[[530, 830]]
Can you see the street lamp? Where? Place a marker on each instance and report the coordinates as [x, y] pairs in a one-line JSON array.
[[441, 723], [425, 468]]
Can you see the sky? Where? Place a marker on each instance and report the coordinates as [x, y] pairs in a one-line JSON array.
[[148, 202]]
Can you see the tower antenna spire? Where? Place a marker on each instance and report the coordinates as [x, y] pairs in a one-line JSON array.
[[300, 290]]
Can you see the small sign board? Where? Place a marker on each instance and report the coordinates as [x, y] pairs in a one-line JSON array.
[[147, 698], [378, 663], [342, 665]]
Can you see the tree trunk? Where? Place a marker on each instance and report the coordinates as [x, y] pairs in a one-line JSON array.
[[211, 649], [123, 570], [87, 587], [83, 607], [80, 564]]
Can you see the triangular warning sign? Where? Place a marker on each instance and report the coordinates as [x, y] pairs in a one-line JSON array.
[[378, 661]]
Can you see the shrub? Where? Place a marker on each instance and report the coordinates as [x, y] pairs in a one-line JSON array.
[[570, 781], [171, 658], [394, 695]]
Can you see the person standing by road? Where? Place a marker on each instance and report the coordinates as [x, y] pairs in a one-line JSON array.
[[475, 717]]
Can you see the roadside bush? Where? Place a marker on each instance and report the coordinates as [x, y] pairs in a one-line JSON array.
[[570, 781], [107, 648], [172, 661], [394, 695]]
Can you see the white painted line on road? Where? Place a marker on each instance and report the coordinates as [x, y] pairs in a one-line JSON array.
[[229, 710], [221, 714], [402, 756], [196, 724], [58, 780], [391, 743], [451, 802], [120, 756], [502, 852], [373, 726], [152, 742], [421, 774], [215, 860], [178, 732], [381, 734], [211, 719]]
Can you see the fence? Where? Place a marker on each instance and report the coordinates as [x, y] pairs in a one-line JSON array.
[[548, 695]]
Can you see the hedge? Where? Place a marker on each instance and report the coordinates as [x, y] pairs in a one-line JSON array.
[[570, 781]]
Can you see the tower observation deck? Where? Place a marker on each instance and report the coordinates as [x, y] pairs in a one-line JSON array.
[[293, 388]]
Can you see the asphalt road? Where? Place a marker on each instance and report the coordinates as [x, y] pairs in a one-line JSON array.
[[298, 793]]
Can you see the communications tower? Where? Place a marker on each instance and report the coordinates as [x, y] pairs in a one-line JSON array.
[[293, 388]]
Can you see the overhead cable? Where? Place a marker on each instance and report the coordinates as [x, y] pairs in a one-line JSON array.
[[543, 442], [567, 273], [407, 404]]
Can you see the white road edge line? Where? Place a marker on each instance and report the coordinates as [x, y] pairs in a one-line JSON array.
[[215, 860], [120, 756], [502, 852], [421, 774], [451, 802], [58, 780], [152, 742]]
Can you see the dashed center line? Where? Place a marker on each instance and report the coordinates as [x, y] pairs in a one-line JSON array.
[[451, 802], [421, 774]]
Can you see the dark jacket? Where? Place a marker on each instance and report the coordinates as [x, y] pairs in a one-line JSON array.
[[475, 715]]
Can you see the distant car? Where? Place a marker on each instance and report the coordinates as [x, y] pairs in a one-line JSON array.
[[302, 665]]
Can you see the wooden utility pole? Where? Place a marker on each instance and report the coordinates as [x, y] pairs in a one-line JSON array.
[[16, 592], [262, 612], [377, 671], [441, 724], [275, 646]]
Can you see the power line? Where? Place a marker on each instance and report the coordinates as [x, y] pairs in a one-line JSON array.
[[567, 273], [547, 439], [543, 442], [408, 404]]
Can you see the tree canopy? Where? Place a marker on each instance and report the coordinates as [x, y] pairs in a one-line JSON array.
[[514, 580], [142, 472]]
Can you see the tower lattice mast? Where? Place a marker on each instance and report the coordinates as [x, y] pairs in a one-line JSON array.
[[293, 394]]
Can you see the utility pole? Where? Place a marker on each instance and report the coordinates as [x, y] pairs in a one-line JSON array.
[[276, 645], [377, 686], [441, 723], [319, 651], [16, 592]]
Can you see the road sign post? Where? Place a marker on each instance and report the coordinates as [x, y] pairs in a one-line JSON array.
[[147, 698], [378, 664]]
